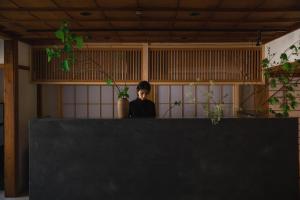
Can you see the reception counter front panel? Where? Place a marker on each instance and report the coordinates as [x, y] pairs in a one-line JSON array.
[[171, 159]]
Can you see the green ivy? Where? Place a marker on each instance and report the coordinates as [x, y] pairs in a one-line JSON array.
[[288, 101]]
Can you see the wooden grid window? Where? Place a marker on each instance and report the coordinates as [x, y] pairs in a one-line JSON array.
[[120, 63], [205, 64], [91, 101], [193, 98]]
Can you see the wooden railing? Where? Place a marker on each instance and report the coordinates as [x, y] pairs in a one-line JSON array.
[[217, 64]]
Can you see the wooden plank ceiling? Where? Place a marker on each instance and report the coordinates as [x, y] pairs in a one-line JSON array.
[[34, 21]]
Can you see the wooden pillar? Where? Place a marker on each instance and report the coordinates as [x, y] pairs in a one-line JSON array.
[[145, 71], [236, 99], [39, 101], [10, 118]]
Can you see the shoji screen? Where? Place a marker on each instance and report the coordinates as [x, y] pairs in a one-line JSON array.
[[193, 98], [91, 101]]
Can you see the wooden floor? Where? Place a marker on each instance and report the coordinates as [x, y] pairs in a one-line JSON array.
[[19, 198]]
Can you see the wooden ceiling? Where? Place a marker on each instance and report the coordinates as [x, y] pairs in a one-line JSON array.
[[34, 21]]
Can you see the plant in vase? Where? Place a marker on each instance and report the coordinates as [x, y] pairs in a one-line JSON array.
[[215, 113], [71, 41]]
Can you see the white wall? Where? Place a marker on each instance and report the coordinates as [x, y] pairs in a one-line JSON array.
[[279, 45], [24, 54], [1, 51]]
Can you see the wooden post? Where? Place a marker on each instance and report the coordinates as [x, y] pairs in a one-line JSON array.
[[145, 73], [39, 100], [10, 118], [236, 99]]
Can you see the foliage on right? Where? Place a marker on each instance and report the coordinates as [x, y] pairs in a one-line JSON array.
[[284, 79]]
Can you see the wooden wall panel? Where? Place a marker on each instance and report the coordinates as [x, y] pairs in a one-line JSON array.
[[205, 64], [119, 63]]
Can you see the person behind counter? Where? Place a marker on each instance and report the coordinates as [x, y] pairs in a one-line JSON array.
[[142, 107]]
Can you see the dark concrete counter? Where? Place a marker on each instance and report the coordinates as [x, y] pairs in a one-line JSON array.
[[183, 159]]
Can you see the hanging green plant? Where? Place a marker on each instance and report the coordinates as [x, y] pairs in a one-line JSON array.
[[69, 41], [287, 66]]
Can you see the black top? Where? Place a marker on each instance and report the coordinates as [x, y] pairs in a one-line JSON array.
[[141, 108]]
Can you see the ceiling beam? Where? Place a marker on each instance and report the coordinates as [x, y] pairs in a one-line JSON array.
[[281, 20], [164, 30], [70, 9]]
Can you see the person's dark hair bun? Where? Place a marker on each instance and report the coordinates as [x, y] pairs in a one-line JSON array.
[[143, 85]]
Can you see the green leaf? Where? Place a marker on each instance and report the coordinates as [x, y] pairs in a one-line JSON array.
[[273, 100], [68, 48], [289, 88], [79, 41], [60, 35], [49, 54], [285, 108], [109, 82], [284, 57], [273, 82], [65, 65], [126, 89], [294, 48], [271, 111], [265, 62], [294, 104], [287, 67], [177, 103], [284, 80], [290, 96]]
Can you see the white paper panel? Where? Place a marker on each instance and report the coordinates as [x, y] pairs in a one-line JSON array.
[[216, 92], [132, 92], [81, 111], [227, 110], [201, 113], [68, 111], [163, 94], [189, 94], [176, 93], [94, 111], [189, 110], [201, 92], [81, 94], [94, 94], [68, 94], [107, 111], [176, 112], [227, 91], [163, 111], [106, 94]]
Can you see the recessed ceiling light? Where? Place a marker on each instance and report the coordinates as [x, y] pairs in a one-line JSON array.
[[138, 12], [85, 13], [193, 14]]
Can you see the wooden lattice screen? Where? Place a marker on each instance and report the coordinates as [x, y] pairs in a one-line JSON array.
[[220, 64], [205, 64], [120, 64]]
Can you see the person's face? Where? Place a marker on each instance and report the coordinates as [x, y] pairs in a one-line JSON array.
[[143, 94]]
